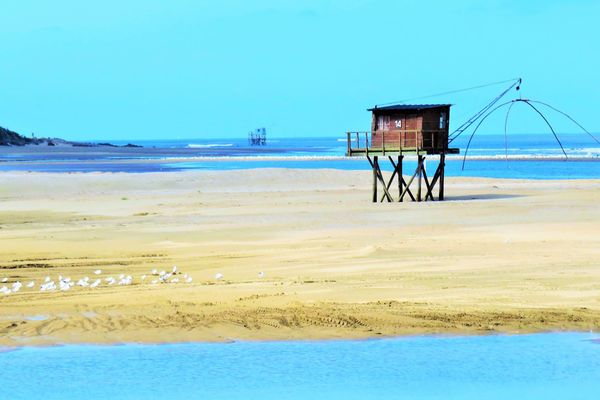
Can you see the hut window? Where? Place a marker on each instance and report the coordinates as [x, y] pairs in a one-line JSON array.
[[383, 122], [443, 120]]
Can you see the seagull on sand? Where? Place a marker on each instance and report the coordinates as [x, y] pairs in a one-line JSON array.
[[261, 274], [47, 286], [164, 277], [30, 284], [218, 276], [98, 272], [64, 286], [16, 286]]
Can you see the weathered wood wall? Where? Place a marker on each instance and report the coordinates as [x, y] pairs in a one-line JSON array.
[[396, 129]]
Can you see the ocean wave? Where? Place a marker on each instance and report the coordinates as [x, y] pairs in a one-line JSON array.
[[533, 149], [209, 145], [496, 157], [586, 150], [526, 157], [258, 158]]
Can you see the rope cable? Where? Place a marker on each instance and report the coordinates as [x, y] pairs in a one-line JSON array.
[[568, 116], [548, 123], [449, 92]]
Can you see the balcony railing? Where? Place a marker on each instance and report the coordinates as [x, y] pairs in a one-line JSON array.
[[397, 141]]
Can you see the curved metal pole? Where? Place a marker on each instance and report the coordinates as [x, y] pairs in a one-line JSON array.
[[477, 127], [458, 131], [506, 131], [568, 116], [547, 123]]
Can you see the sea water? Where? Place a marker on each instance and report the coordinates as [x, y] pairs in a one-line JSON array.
[[533, 366], [523, 156]]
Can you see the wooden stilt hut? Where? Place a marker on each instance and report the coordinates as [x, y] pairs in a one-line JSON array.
[[401, 130]]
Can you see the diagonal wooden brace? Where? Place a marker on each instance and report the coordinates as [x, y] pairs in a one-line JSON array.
[[391, 181], [436, 176], [406, 191], [379, 176], [412, 178], [427, 185]]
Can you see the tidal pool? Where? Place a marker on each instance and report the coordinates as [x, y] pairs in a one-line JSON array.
[[537, 366]]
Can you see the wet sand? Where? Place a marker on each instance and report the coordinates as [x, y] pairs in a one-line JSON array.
[[499, 256]]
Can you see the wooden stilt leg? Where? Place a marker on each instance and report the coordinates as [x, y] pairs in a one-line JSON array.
[[378, 176], [436, 176], [442, 167], [420, 176], [428, 187], [374, 165], [403, 186], [400, 180], [384, 186]]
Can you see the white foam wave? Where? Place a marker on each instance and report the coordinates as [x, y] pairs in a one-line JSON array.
[[209, 145], [257, 158], [523, 157], [587, 150]]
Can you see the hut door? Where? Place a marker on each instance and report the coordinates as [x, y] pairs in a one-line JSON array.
[[411, 126]]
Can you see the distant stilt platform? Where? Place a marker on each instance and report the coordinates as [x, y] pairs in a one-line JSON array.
[[258, 137]]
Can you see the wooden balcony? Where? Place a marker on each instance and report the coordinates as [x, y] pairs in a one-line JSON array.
[[399, 142]]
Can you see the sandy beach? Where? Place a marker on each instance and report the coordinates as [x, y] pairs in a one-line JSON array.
[[498, 256]]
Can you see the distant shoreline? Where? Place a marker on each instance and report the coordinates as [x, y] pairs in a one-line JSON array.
[[10, 138], [54, 142]]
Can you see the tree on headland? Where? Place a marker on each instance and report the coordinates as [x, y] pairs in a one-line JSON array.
[[10, 138]]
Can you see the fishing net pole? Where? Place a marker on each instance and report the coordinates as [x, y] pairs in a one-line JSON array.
[[529, 102]]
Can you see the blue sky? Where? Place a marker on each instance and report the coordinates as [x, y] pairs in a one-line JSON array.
[[134, 69]]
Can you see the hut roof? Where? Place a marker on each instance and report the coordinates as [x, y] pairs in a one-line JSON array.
[[408, 107]]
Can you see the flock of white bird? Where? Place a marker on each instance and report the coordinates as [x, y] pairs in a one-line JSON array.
[[64, 284]]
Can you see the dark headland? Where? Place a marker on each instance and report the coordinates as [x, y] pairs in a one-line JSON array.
[[11, 138]]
